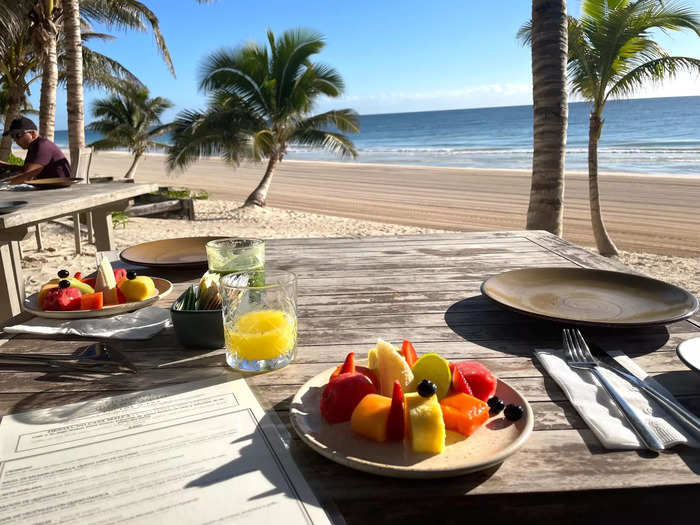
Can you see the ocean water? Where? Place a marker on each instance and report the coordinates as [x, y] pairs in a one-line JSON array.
[[660, 135]]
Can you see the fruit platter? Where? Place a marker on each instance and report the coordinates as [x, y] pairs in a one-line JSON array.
[[405, 416], [111, 291]]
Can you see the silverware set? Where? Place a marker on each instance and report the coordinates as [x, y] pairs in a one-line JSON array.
[[578, 355], [95, 358]]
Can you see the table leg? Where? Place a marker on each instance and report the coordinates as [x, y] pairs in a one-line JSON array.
[[11, 278], [102, 225]]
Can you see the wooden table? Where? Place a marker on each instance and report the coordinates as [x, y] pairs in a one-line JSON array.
[[426, 289], [99, 199]]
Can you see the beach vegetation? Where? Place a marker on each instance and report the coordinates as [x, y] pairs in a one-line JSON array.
[[612, 54], [260, 101], [129, 118], [547, 35]]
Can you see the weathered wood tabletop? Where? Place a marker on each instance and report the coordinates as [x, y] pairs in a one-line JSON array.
[[98, 199], [426, 289]]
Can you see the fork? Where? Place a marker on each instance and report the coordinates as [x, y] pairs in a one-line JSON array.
[[577, 355]]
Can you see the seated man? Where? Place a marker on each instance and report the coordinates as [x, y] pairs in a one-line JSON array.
[[44, 159]]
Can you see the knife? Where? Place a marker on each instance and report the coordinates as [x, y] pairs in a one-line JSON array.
[[689, 421]]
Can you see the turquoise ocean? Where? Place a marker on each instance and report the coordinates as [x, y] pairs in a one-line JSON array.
[[655, 135]]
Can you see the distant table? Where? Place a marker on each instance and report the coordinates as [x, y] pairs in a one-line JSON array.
[[98, 199], [426, 289]]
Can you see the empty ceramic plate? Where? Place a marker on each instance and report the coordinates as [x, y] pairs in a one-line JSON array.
[[590, 297], [689, 352], [184, 252]]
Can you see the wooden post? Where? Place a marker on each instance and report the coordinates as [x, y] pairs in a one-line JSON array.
[[37, 233], [102, 224], [76, 234], [11, 277]]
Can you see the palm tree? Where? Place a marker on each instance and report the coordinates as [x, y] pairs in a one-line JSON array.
[[259, 103], [74, 78], [547, 35], [611, 55], [17, 66], [123, 14], [129, 119]]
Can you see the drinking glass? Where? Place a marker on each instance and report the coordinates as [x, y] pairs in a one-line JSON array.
[[235, 256], [260, 320]]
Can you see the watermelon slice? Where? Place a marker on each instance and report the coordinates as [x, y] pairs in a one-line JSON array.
[[480, 380]]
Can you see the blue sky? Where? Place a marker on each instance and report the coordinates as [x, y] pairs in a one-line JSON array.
[[394, 56]]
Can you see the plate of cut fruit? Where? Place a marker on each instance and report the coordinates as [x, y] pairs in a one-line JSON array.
[[110, 292], [408, 417]]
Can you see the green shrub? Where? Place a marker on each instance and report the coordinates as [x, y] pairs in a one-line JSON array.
[[15, 160], [183, 193], [119, 218]]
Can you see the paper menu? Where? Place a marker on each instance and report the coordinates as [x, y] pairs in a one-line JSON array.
[[194, 453]]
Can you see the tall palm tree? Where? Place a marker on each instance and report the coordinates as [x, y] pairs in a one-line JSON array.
[[74, 78], [123, 14], [18, 65], [130, 119], [611, 55], [547, 35], [260, 100]]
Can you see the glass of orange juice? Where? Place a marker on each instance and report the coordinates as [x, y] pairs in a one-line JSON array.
[[260, 320]]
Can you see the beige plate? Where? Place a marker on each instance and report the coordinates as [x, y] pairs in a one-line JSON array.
[[55, 182], [185, 252], [488, 446], [590, 297], [163, 288]]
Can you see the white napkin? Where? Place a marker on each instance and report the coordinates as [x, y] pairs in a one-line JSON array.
[[141, 324], [600, 412]]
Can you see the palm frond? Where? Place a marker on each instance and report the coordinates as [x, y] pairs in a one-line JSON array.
[[127, 14], [524, 34], [242, 72], [336, 143], [654, 71], [346, 120]]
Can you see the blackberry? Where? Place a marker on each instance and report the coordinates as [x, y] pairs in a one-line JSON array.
[[65, 283], [131, 274], [514, 412], [62, 274], [496, 405], [426, 388]]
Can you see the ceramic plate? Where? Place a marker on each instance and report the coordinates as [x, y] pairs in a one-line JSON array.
[[54, 182], [163, 288], [10, 206], [689, 353], [590, 297], [184, 252], [497, 439]]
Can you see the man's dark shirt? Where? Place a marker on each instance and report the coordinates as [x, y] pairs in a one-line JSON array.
[[43, 151]]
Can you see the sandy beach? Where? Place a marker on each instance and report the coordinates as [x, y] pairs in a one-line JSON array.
[[652, 218]]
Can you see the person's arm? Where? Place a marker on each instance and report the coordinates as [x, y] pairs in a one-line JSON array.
[[30, 171]]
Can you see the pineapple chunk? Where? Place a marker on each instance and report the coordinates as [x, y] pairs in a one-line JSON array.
[[427, 426], [391, 367], [372, 362]]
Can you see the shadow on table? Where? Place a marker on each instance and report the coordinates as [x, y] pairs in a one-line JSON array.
[[478, 320]]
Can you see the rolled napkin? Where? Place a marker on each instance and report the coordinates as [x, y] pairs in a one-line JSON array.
[[600, 412], [141, 324]]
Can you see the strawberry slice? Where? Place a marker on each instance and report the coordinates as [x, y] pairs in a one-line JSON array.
[[349, 364], [409, 353], [396, 422]]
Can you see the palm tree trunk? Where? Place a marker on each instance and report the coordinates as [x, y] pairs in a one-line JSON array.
[[14, 103], [550, 115], [602, 239], [132, 169], [74, 80], [49, 81], [259, 195]]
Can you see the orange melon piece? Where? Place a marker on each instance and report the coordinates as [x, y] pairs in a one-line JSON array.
[[370, 417], [464, 413]]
